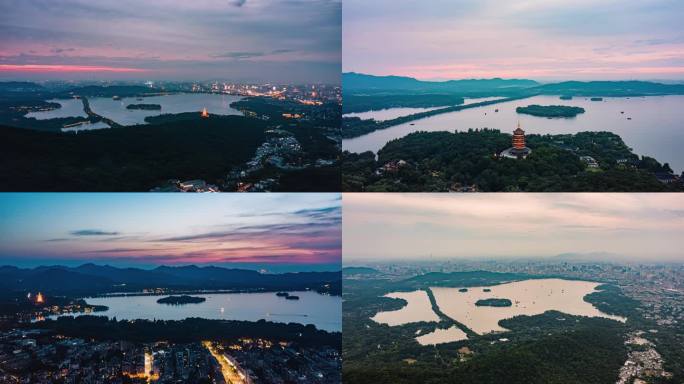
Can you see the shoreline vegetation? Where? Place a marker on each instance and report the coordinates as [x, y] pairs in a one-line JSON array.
[[147, 107], [188, 330], [181, 300], [354, 126], [467, 161]]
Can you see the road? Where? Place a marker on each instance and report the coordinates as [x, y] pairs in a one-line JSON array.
[[90, 113], [230, 374]]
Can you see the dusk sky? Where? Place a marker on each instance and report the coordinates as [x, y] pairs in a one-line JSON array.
[[293, 41], [170, 229], [643, 227], [545, 40]]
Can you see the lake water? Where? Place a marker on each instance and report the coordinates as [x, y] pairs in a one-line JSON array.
[[175, 103], [656, 128], [529, 297], [393, 113], [417, 309], [70, 108], [441, 336], [323, 311]]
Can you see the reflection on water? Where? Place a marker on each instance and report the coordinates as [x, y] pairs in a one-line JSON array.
[[655, 128], [70, 108], [171, 104], [323, 311]]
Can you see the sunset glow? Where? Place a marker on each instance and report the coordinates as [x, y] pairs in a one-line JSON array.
[[140, 229], [539, 40], [65, 68]]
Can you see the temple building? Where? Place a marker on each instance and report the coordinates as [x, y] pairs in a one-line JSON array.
[[205, 113], [518, 150]]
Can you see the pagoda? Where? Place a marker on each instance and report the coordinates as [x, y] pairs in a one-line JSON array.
[[205, 113], [518, 150]]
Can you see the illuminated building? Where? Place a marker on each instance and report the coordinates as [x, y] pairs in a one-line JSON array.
[[518, 150], [39, 298], [519, 138], [205, 113]]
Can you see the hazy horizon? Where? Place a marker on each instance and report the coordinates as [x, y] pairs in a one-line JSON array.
[[542, 40], [442, 227], [296, 41], [261, 231], [541, 81]]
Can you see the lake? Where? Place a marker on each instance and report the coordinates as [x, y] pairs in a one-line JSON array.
[[441, 336], [70, 108], [656, 127], [171, 104], [323, 311], [417, 309], [529, 297]]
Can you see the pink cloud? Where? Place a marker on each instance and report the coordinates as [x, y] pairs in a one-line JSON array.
[[65, 68]]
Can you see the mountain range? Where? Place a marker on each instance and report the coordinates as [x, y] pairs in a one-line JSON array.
[[363, 84], [90, 279]]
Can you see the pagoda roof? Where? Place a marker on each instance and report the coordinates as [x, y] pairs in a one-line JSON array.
[[519, 131]]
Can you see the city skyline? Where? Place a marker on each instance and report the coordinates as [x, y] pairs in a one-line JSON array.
[[586, 227], [242, 40], [285, 231], [540, 40]]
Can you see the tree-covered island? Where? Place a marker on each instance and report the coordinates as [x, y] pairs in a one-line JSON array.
[[147, 107], [550, 110], [493, 302], [180, 300]]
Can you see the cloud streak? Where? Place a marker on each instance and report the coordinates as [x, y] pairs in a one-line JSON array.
[[191, 40], [544, 40], [279, 228], [413, 226]]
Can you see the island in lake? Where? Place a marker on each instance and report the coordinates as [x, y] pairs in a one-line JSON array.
[[147, 107], [287, 296], [550, 110], [493, 303], [180, 300]]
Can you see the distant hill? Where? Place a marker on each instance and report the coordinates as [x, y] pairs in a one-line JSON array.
[[20, 86], [610, 88], [590, 257], [360, 82], [94, 279]]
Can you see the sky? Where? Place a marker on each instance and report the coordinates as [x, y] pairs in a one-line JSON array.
[[546, 40], [397, 226], [282, 41], [145, 230]]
